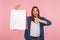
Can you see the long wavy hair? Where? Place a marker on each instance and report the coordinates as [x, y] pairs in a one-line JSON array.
[[32, 13]]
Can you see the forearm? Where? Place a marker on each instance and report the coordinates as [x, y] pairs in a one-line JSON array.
[[43, 21]]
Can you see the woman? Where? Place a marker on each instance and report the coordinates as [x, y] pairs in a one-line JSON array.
[[35, 29]]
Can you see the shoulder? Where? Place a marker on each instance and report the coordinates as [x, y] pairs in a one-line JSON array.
[[29, 17]]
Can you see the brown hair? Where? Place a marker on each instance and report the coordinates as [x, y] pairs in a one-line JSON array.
[[32, 13]]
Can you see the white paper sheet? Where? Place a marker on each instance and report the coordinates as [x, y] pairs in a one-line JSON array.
[[18, 20]]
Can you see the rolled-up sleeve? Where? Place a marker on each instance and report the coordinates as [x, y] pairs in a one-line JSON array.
[[48, 22]]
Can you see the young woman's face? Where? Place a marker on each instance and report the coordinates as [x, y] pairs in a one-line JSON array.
[[35, 12]]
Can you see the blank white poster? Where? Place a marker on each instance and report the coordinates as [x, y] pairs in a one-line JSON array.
[[18, 20]]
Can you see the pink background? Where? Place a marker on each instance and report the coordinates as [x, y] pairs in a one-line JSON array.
[[50, 9]]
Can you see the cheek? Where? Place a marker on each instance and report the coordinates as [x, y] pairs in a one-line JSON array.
[[34, 13], [37, 12]]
